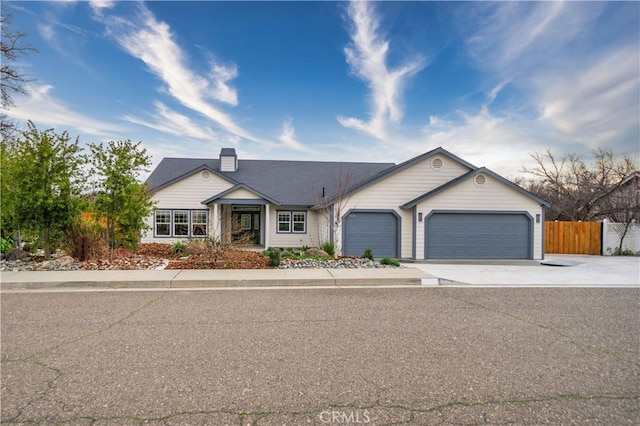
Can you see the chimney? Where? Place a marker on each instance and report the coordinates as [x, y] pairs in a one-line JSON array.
[[228, 160]]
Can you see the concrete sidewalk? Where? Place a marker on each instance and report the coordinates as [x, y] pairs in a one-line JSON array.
[[580, 271], [37, 280]]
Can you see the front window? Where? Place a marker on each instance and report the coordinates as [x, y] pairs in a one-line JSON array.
[[284, 222], [299, 222], [199, 223], [295, 222], [163, 223], [181, 223]]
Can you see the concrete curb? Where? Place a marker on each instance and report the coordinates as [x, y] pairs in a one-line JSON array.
[[37, 280]]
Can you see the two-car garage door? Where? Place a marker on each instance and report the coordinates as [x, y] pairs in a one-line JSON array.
[[478, 235]]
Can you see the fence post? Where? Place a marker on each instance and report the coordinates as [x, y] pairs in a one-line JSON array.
[[605, 236]]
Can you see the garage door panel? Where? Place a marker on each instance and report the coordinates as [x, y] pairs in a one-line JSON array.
[[377, 231], [477, 236]]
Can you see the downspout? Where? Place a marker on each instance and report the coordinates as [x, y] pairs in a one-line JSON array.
[[331, 222], [543, 232], [414, 232]]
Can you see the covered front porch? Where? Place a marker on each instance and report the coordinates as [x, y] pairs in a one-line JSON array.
[[241, 216], [242, 225]]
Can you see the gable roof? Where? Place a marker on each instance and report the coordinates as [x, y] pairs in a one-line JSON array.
[[402, 166], [235, 188], [469, 175], [172, 170], [296, 183]]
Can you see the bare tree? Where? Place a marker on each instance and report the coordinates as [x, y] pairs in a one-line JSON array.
[[622, 206], [332, 204], [12, 80], [579, 190]]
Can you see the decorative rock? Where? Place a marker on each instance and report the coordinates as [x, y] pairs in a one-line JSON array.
[[18, 254], [65, 261], [196, 247], [341, 263], [313, 251]]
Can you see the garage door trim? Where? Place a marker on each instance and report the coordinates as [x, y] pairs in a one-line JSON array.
[[392, 211], [487, 212]]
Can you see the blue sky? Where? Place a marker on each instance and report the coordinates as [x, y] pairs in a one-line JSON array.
[[384, 81]]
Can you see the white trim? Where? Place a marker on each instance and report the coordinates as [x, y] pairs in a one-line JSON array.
[[266, 225], [172, 223]]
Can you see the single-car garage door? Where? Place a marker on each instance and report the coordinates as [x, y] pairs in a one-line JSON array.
[[477, 235], [377, 231]]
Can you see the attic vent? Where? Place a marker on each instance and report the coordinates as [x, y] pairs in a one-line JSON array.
[[480, 180], [205, 175], [437, 163]]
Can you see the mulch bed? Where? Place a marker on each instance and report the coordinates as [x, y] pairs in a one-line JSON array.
[[223, 258]]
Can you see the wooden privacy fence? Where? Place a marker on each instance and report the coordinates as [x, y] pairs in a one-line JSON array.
[[573, 237]]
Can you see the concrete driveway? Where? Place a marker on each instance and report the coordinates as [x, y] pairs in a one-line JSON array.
[[580, 271]]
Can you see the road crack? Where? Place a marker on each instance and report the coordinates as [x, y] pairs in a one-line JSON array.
[[33, 358], [256, 416], [571, 339]]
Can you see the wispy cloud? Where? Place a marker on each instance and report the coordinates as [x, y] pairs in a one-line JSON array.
[[569, 62], [220, 75], [512, 37], [152, 42], [99, 5], [41, 106], [288, 137], [168, 121], [367, 59], [596, 104]]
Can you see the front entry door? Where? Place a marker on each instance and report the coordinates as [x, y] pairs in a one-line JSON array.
[[246, 227]]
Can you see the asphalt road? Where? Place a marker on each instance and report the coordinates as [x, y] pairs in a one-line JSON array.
[[322, 356]]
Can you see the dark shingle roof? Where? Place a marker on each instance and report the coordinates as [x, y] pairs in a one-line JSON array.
[[289, 182]]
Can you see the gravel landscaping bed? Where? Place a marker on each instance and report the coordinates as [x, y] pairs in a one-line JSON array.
[[159, 256], [342, 263]]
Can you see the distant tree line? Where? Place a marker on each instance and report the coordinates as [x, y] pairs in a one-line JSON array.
[[606, 187], [584, 190]]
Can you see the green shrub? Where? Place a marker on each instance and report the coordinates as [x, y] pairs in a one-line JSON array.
[[368, 254], [623, 252], [177, 247], [329, 247], [274, 254], [5, 245], [389, 261]]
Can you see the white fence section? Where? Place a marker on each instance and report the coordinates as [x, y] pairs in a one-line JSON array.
[[611, 234]]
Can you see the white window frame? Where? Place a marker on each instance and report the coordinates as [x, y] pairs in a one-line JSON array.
[[291, 221], [186, 214], [167, 213], [203, 223], [287, 221], [295, 222], [190, 223]]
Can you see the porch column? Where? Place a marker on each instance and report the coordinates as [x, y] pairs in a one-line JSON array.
[[215, 223], [266, 226]]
